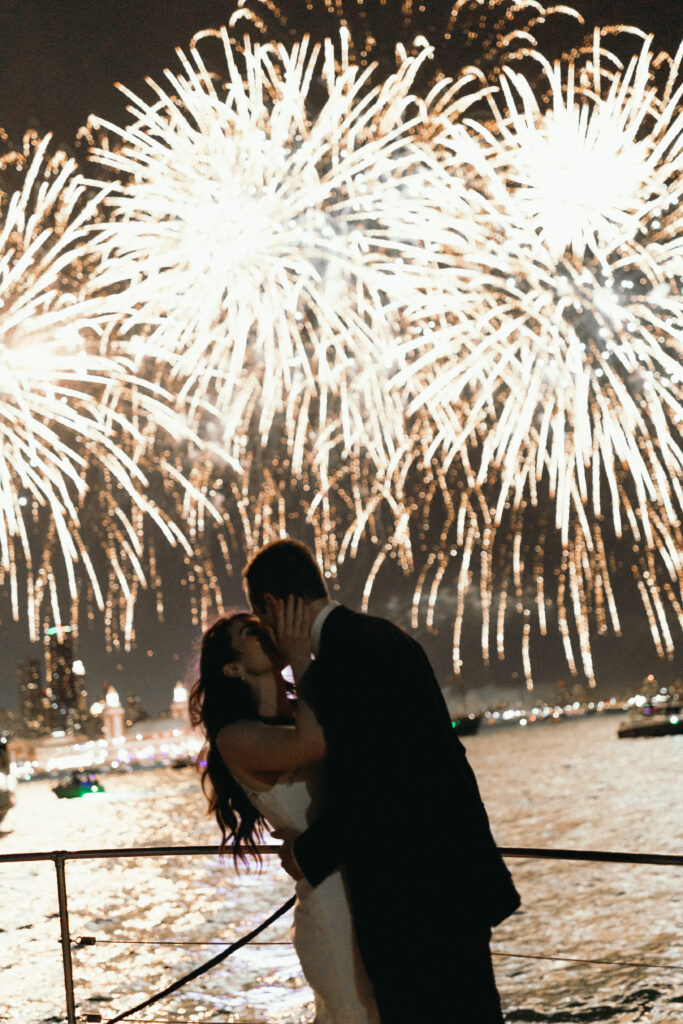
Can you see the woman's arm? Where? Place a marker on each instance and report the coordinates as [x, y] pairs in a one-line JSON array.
[[254, 746]]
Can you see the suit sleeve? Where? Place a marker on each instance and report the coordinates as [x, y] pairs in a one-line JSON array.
[[318, 850]]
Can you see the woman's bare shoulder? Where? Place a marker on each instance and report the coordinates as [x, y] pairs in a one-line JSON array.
[[256, 745]]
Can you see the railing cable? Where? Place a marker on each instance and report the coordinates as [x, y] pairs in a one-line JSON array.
[[86, 940], [580, 960], [203, 968], [153, 1020], [597, 856], [521, 852]]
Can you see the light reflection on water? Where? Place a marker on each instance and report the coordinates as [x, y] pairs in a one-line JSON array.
[[567, 785]]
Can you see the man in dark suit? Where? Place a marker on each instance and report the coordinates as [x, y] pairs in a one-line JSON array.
[[405, 820]]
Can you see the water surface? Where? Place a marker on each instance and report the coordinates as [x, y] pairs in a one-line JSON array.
[[567, 785]]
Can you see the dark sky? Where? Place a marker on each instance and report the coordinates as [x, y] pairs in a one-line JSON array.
[[59, 60]]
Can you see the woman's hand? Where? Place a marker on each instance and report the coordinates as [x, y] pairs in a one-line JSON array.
[[293, 634]]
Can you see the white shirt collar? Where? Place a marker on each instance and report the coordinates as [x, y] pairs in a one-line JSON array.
[[318, 623]]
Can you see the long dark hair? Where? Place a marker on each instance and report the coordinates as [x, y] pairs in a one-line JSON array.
[[215, 701]]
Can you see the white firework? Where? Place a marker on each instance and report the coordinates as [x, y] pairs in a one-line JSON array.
[[549, 352], [239, 236], [478, 329], [66, 412], [560, 336]]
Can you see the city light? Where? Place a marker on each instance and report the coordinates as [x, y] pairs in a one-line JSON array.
[[111, 698]]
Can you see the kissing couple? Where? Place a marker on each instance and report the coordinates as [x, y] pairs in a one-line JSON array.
[[398, 878]]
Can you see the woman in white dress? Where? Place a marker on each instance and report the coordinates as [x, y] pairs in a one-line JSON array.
[[264, 764]]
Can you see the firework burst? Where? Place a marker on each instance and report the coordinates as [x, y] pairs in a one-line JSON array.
[[71, 419], [567, 336], [551, 351], [469, 333], [239, 236]]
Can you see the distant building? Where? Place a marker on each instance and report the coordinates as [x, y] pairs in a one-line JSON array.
[[168, 740], [34, 702], [113, 716], [65, 682], [61, 682], [134, 710], [9, 722], [82, 709]]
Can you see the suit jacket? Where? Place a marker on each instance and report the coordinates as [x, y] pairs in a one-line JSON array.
[[405, 819]]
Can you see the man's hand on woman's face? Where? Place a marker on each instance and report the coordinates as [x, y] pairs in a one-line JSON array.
[[269, 644], [293, 633]]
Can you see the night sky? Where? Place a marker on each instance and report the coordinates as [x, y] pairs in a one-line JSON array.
[[59, 60]]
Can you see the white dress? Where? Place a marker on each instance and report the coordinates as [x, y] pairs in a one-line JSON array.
[[323, 930]]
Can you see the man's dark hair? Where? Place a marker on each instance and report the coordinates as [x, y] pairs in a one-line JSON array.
[[281, 568]]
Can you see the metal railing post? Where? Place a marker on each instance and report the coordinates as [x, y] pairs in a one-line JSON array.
[[59, 860]]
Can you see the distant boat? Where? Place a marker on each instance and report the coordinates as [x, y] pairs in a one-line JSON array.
[[78, 785], [661, 719], [468, 725], [463, 724], [183, 762], [6, 792]]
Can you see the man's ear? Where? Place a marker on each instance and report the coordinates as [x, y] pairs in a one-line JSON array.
[[271, 604], [232, 669]]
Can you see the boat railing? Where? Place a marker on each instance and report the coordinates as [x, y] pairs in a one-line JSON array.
[[60, 858]]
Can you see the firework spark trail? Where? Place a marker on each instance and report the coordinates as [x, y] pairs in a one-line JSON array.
[[625, 456], [66, 411], [480, 34], [552, 349], [240, 235], [539, 355], [565, 312]]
